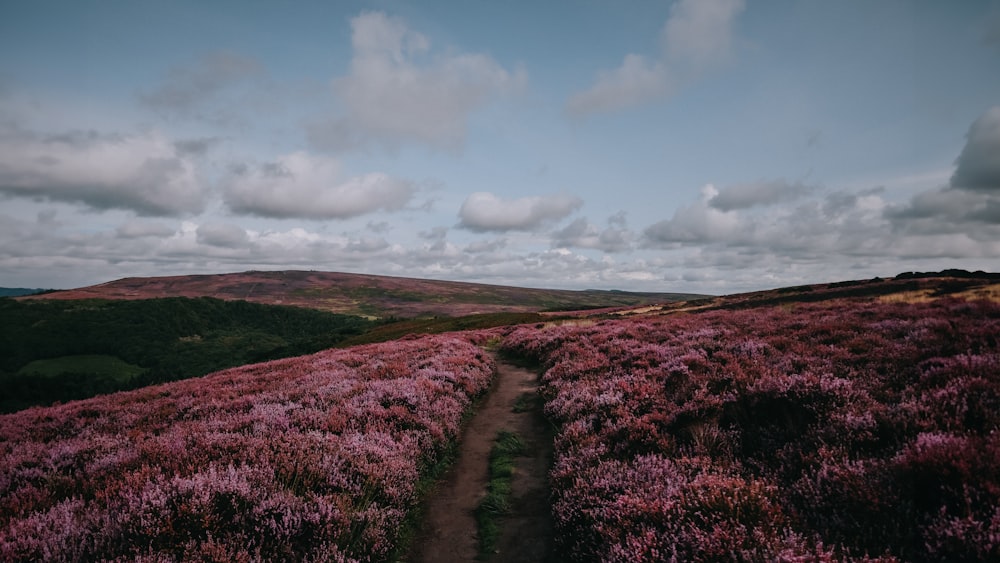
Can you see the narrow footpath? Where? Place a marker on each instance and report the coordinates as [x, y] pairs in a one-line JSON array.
[[449, 530]]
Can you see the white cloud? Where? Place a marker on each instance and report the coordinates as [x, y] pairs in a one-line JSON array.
[[826, 237], [481, 246], [699, 32], [947, 245], [143, 172], [696, 37], [398, 92], [222, 234], [367, 245], [311, 186], [483, 211], [636, 81], [838, 227], [584, 234], [699, 222], [436, 234], [742, 196]]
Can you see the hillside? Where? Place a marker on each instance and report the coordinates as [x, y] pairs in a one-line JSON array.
[[847, 421], [844, 428], [359, 294], [906, 287], [62, 350], [316, 458]]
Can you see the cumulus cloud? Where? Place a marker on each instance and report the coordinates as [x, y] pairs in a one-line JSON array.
[[485, 246], [398, 91], [581, 233], [636, 81], [835, 226], [699, 32], [978, 165], [696, 36], [699, 222], [222, 234], [231, 246], [367, 245], [484, 211], [143, 172], [743, 196], [948, 211], [436, 239], [970, 203], [779, 230], [942, 202], [435, 234], [313, 187]]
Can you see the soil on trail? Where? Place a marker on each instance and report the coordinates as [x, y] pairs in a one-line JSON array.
[[449, 528]]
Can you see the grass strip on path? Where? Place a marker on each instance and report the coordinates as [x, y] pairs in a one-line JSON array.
[[507, 446]]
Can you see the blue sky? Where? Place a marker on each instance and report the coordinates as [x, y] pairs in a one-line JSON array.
[[708, 146]]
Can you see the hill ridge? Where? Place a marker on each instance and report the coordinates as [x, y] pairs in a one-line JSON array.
[[365, 294]]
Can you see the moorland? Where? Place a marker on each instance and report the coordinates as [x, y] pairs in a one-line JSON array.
[[126, 334], [848, 421]]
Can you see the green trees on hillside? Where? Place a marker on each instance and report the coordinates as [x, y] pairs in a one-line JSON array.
[[170, 338]]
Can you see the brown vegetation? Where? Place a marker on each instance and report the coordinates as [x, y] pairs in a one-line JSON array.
[[366, 295]]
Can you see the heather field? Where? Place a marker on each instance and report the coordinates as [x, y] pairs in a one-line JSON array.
[[832, 431], [861, 427], [315, 458]]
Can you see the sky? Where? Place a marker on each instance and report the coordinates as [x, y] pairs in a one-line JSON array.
[[707, 146]]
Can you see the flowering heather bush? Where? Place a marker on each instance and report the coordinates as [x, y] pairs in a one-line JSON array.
[[313, 458], [843, 430]]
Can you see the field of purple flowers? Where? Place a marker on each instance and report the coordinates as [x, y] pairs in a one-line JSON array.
[[313, 458], [833, 431]]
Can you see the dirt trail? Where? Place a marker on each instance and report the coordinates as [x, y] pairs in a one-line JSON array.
[[449, 530]]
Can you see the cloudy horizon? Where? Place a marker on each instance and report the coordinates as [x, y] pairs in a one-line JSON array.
[[708, 146]]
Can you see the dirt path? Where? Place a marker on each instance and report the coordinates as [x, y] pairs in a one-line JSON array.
[[449, 531]]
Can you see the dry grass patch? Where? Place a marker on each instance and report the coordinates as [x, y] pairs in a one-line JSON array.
[[916, 296]]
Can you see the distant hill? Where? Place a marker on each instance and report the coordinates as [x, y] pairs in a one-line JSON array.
[[19, 291], [367, 295], [905, 287]]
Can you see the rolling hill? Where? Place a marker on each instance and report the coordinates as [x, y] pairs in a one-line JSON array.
[[823, 422], [840, 422], [366, 295]]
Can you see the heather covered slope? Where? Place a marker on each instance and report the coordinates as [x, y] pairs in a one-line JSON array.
[[314, 458], [837, 430], [849, 421], [360, 294], [908, 286]]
